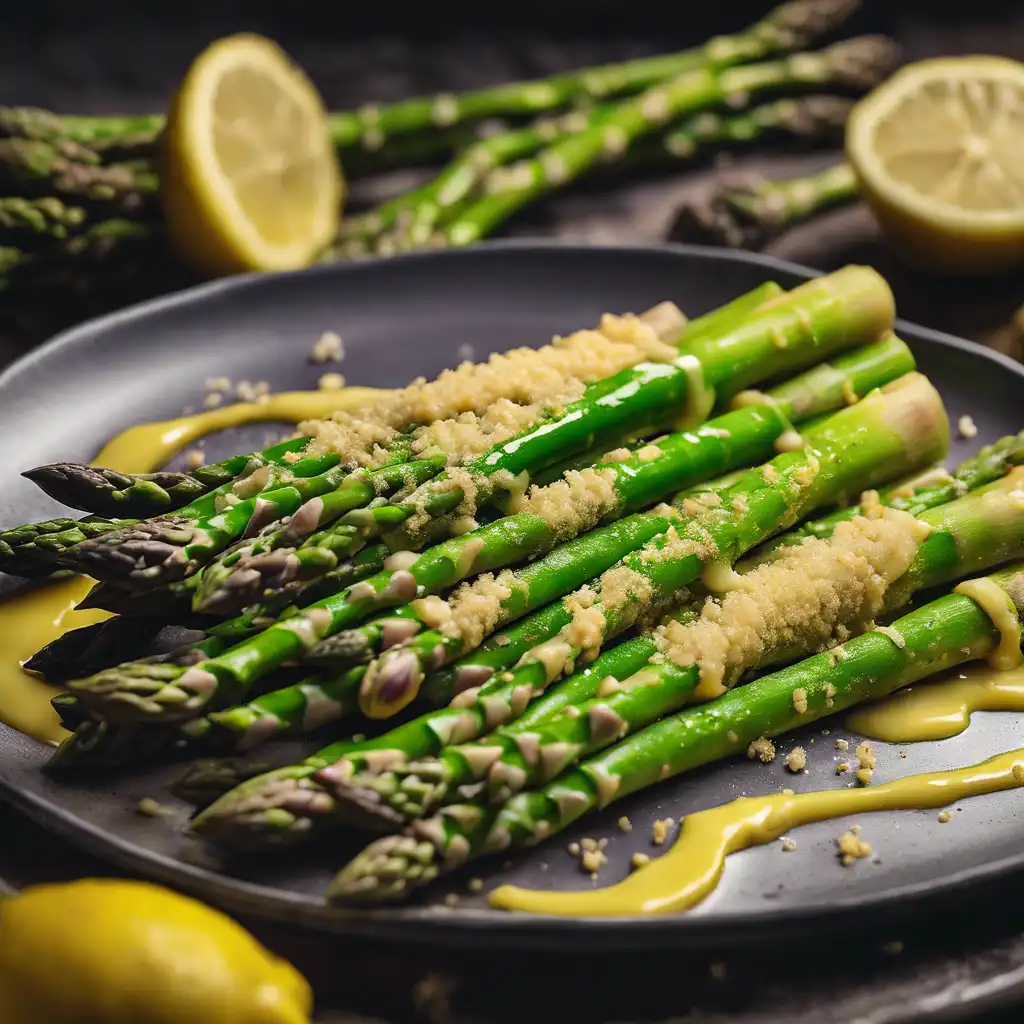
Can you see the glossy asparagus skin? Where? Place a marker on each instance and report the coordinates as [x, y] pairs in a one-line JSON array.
[[949, 631]]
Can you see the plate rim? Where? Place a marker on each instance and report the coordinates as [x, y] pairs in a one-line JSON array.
[[419, 924]]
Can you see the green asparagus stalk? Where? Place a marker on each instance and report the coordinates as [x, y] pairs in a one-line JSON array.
[[790, 26], [29, 221], [320, 699], [636, 397], [412, 219], [256, 570], [781, 335], [109, 492], [880, 437], [944, 633], [751, 215], [736, 439], [517, 757], [35, 549], [857, 64]]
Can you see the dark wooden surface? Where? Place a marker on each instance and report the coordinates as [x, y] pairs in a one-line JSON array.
[[966, 961]]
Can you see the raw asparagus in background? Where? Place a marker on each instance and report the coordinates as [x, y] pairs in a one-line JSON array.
[[884, 435], [751, 215], [950, 631], [412, 219]]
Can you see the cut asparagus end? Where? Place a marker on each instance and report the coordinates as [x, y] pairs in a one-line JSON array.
[[277, 809], [386, 871], [391, 683], [394, 796]]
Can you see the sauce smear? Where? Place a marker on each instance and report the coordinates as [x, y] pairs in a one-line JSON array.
[[691, 870]]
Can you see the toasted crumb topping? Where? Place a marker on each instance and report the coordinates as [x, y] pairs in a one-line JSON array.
[[328, 348], [852, 848], [966, 427], [762, 749], [660, 830], [574, 504], [796, 759], [813, 594]]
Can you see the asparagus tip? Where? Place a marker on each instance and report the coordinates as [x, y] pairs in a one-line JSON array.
[[390, 684], [385, 871]]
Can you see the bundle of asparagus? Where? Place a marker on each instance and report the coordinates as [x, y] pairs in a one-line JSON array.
[[550, 553], [81, 192]]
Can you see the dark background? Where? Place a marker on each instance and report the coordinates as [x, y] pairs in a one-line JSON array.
[[107, 57]]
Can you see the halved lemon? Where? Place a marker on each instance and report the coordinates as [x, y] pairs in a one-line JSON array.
[[250, 176], [939, 155]]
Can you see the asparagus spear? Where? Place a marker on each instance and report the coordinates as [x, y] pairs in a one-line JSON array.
[[256, 570], [28, 221], [751, 215], [411, 219], [320, 698], [879, 437], [35, 549], [947, 632], [109, 492], [790, 26], [519, 756], [725, 443], [756, 343], [857, 64]]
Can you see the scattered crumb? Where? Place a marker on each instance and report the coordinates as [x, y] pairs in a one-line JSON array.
[[903, 755], [638, 860], [800, 700], [194, 458], [866, 762], [451, 899], [788, 845], [212, 400], [574, 849], [966, 427], [842, 744], [152, 809], [762, 749], [218, 384], [330, 382], [787, 792], [944, 816], [852, 847], [893, 948], [592, 861], [842, 767], [796, 759], [572, 711], [625, 825], [659, 831], [475, 884], [718, 970], [328, 348]]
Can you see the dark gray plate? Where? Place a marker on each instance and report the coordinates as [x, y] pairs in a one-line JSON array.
[[408, 316]]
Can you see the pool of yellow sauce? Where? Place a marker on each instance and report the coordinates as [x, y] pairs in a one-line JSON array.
[[940, 709], [33, 618], [692, 868]]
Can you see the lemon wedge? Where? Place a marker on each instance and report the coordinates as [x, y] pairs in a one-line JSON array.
[[938, 151], [250, 178]]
